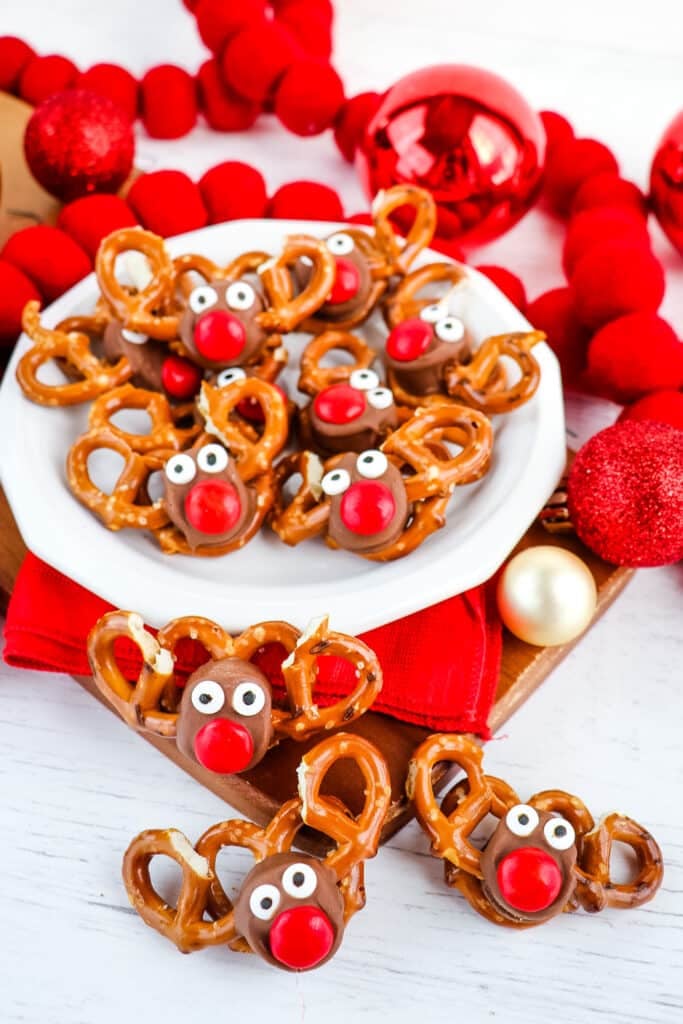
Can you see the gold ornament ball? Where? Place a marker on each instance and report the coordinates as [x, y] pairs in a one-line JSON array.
[[546, 596]]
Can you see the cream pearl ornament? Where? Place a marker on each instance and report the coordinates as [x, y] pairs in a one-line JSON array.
[[546, 596]]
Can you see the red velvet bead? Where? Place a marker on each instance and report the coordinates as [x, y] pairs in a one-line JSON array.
[[44, 76], [52, 260], [570, 164], [232, 190], [633, 355], [257, 57], [352, 120], [553, 312], [593, 227], [219, 20], [508, 283], [625, 494], [115, 83], [367, 507], [92, 218], [223, 746], [212, 506], [306, 200], [169, 102], [614, 279], [608, 189], [300, 937], [529, 879], [310, 27], [309, 97], [167, 202], [15, 291], [14, 56], [558, 129], [660, 406], [224, 109]]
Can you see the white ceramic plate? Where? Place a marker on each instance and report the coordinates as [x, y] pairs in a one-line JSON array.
[[266, 579]]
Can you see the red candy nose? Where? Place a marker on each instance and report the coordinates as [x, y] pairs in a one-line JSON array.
[[346, 282], [180, 378], [367, 507], [409, 340], [529, 879], [300, 938], [219, 336], [212, 506], [223, 746], [339, 404]]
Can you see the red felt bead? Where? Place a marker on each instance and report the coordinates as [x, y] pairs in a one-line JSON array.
[[92, 218], [529, 879], [15, 291], [558, 129], [300, 937], [508, 283], [223, 746], [570, 164], [352, 120], [115, 83], [660, 406], [614, 279], [224, 109], [309, 97], [257, 57], [14, 56], [593, 227], [169, 102], [633, 355], [44, 76], [553, 313], [625, 494], [608, 189], [231, 190], [306, 200], [367, 507], [218, 20], [310, 27], [167, 202], [52, 260]]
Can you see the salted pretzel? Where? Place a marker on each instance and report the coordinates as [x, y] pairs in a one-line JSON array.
[[292, 909], [226, 719], [314, 378], [407, 301], [542, 858], [477, 383], [165, 432], [149, 309], [219, 407]]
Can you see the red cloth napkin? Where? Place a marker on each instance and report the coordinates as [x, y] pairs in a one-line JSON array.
[[440, 665]]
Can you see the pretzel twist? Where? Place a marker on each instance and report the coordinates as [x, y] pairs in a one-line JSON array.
[[313, 377], [143, 310], [217, 406], [287, 311], [400, 253], [404, 304], [163, 434], [595, 888], [195, 263], [478, 382], [306, 515], [68, 342]]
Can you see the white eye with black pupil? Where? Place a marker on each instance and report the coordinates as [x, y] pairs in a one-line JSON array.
[[335, 482], [380, 398], [450, 329], [248, 699], [299, 881], [364, 380], [240, 296], [180, 469], [212, 458], [207, 697], [340, 245], [229, 376], [264, 901], [521, 820], [559, 833], [202, 298], [372, 464], [432, 313]]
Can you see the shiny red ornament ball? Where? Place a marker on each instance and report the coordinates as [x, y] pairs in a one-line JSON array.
[[16, 289], [49, 257], [666, 182], [42, 77], [309, 96], [14, 56], [233, 189], [593, 227], [506, 282], [553, 312], [352, 122], [570, 164], [114, 82], [224, 109], [218, 20], [168, 98], [306, 200], [77, 142], [257, 57], [660, 406], [167, 202], [614, 279], [608, 189], [625, 494], [633, 355], [90, 219], [468, 137]]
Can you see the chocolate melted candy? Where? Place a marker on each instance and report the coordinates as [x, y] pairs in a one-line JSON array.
[[343, 247], [425, 375], [392, 481], [366, 430], [146, 356], [235, 336]]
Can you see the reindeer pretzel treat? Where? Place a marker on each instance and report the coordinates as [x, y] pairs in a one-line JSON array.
[[226, 720], [542, 858]]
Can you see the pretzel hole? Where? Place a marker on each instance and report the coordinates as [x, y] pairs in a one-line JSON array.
[[104, 468], [345, 782], [403, 218], [133, 271], [155, 486], [337, 357], [134, 421], [623, 864], [166, 876], [57, 372], [233, 863]]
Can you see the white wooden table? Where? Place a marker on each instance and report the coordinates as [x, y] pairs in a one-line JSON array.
[[76, 785]]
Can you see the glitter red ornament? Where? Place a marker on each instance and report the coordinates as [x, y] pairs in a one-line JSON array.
[[666, 182]]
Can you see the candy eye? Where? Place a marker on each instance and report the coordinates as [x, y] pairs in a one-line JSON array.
[[432, 313], [212, 458], [207, 697], [450, 329], [180, 469], [335, 482], [559, 833], [240, 296], [380, 398], [364, 380], [521, 820], [299, 881], [372, 464], [248, 699], [229, 376], [264, 901], [202, 298], [340, 244]]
